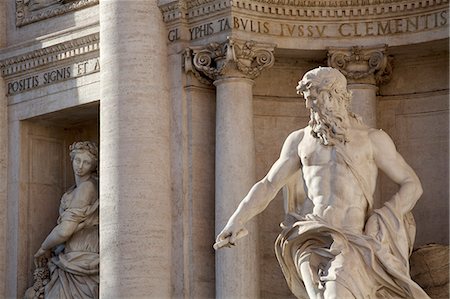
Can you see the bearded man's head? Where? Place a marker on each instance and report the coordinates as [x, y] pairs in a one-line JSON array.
[[332, 106]]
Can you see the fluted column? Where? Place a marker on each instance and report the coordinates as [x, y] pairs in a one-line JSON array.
[[232, 66], [365, 69], [135, 214]]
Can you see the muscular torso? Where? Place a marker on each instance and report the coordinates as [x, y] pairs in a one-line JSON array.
[[330, 184]]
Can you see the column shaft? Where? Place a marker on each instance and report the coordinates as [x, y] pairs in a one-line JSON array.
[[237, 273], [364, 102], [364, 68], [135, 198]]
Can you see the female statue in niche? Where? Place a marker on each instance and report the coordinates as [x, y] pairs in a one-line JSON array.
[[69, 256]]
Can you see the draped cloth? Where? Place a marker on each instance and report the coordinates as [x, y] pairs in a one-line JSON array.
[[75, 271], [370, 264], [374, 264]]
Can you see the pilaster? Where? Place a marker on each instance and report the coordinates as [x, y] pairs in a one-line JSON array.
[[3, 159], [365, 69], [232, 67]]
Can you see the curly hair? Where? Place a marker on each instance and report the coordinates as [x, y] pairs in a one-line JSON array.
[[326, 121], [87, 146], [327, 79]]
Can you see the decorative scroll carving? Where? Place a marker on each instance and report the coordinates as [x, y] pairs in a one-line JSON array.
[[233, 58], [362, 65], [30, 11]]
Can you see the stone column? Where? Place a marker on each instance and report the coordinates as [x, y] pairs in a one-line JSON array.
[[3, 157], [232, 66], [135, 196], [365, 69]]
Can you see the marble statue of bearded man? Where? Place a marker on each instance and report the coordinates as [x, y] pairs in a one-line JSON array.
[[334, 243]]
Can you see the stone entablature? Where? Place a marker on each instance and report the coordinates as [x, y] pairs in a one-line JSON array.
[[28, 12], [374, 21], [337, 9], [302, 8], [69, 59]]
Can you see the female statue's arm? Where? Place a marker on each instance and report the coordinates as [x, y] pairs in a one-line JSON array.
[[66, 228]]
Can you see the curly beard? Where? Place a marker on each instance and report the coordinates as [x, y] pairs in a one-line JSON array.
[[327, 125]]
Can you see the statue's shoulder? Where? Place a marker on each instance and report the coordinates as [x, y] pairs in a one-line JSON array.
[[296, 137], [87, 188], [378, 136], [299, 134], [382, 144]]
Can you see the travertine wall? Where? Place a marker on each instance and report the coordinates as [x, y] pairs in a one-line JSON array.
[[414, 109], [3, 158], [58, 26]]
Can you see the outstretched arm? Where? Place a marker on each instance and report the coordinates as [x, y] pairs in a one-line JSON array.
[[262, 193], [394, 166]]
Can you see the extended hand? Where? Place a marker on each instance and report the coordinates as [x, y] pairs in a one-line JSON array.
[[41, 257], [229, 235]]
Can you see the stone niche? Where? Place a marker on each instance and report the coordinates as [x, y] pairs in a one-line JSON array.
[[46, 173]]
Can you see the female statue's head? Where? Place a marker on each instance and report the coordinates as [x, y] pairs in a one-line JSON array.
[[84, 156]]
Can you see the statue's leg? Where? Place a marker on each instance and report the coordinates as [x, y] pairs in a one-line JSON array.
[[309, 269], [307, 278], [334, 290]]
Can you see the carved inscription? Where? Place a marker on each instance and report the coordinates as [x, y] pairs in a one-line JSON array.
[[407, 24], [209, 28], [53, 75], [251, 25], [394, 26]]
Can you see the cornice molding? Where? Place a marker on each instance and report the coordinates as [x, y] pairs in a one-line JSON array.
[[52, 54], [24, 15], [336, 9], [191, 9], [331, 3], [233, 58], [362, 65], [305, 9]]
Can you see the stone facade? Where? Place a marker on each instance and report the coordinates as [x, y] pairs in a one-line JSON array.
[[161, 87]]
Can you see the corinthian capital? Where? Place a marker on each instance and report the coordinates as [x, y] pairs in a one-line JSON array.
[[233, 58], [362, 65]]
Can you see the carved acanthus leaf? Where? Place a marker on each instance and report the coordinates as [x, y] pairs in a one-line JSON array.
[[358, 64], [233, 58]]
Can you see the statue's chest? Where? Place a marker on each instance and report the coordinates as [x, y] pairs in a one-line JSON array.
[[313, 153]]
